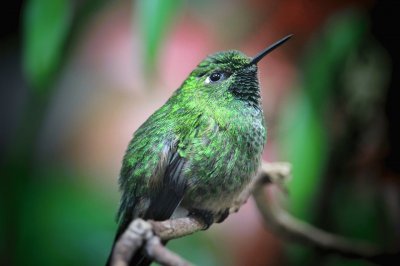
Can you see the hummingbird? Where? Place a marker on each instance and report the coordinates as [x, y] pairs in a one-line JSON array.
[[200, 150]]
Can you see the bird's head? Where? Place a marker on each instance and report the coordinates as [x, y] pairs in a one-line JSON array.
[[229, 74]]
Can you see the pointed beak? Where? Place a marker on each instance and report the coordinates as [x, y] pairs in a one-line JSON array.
[[269, 49]]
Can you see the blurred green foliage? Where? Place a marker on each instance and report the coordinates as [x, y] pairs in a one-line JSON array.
[[46, 25], [308, 141], [53, 216], [307, 114], [306, 148], [154, 19], [66, 221]]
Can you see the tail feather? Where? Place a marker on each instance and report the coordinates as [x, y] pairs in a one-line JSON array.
[[139, 259]]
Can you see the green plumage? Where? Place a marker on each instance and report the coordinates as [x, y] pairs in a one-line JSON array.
[[199, 151], [219, 134]]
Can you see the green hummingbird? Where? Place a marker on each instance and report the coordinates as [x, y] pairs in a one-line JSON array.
[[200, 150]]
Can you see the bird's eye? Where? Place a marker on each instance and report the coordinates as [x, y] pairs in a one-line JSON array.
[[216, 76]]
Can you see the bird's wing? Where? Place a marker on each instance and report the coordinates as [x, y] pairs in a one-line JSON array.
[[170, 192], [151, 180]]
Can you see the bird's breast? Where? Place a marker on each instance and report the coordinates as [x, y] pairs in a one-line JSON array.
[[222, 161]]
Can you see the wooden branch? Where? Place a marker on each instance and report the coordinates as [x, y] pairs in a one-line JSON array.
[[287, 226], [149, 234], [295, 230], [162, 255], [130, 241], [277, 173], [177, 228], [140, 234]]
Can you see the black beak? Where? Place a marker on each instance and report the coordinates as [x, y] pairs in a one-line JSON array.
[[269, 49]]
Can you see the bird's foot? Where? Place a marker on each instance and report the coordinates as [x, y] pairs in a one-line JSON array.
[[223, 215], [206, 216]]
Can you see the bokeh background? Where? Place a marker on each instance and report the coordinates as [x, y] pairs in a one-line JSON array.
[[78, 77]]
